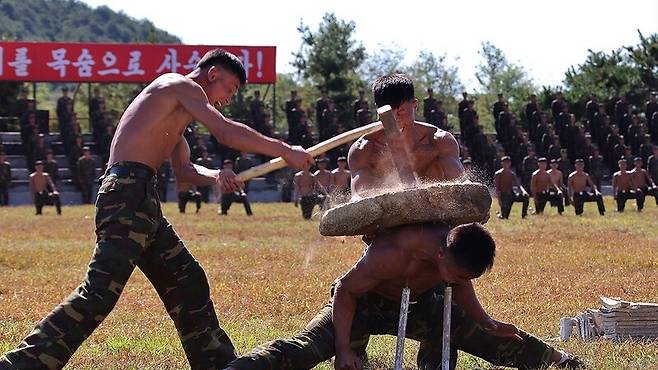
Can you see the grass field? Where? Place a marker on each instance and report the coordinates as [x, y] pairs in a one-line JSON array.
[[271, 273]]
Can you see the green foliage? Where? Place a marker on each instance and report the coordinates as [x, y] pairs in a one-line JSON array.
[[645, 58], [498, 75], [72, 20], [430, 70], [329, 58], [386, 60], [605, 75], [630, 70]]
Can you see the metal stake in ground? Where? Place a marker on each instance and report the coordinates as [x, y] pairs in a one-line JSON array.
[[447, 308], [402, 328]]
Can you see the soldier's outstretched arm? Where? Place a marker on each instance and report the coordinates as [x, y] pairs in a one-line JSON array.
[[188, 172], [235, 134]]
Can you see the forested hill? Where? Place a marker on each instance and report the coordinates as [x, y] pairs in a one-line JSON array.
[[71, 20]]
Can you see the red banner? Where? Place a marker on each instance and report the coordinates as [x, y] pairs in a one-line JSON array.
[[81, 62]]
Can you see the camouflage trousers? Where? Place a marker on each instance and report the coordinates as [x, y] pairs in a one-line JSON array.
[[130, 231], [376, 315]]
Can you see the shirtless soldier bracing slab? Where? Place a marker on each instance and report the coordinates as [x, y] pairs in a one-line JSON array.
[[366, 300], [131, 230]]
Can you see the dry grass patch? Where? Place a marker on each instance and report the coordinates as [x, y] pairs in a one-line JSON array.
[[269, 274]]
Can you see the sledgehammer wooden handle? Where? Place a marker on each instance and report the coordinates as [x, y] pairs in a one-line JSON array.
[[323, 147]]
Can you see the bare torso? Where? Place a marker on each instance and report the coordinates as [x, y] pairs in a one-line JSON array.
[[579, 181], [639, 178], [504, 180], [556, 177], [340, 179], [323, 177], [39, 182], [431, 151], [151, 125], [622, 180], [420, 271], [304, 183], [542, 181]]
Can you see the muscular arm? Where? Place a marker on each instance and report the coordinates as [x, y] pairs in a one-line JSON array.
[[497, 183], [590, 183], [188, 172], [466, 298], [570, 186], [228, 132], [377, 265], [363, 179], [449, 157], [614, 185], [51, 183], [32, 187], [295, 195], [533, 185]]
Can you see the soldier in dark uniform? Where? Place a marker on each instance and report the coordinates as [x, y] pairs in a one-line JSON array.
[[652, 165], [5, 180], [442, 117], [296, 124], [612, 141], [75, 152], [651, 106], [599, 120], [554, 149], [565, 165], [591, 108], [646, 148], [557, 106], [205, 161], [243, 163], [21, 103], [430, 108], [328, 123], [97, 114], [529, 112], [86, 173], [291, 119], [360, 103], [528, 167], [363, 117], [478, 145], [39, 150], [469, 127], [258, 115], [105, 142], [64, 110], [596, 167], [621, 108], [239, 196], [321, 104], [504, 181], [498, 106], [462, 106], [164, 174], [186, 193], [51, 167]]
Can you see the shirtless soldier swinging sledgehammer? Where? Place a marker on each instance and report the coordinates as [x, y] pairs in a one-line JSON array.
[[131, 230]]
